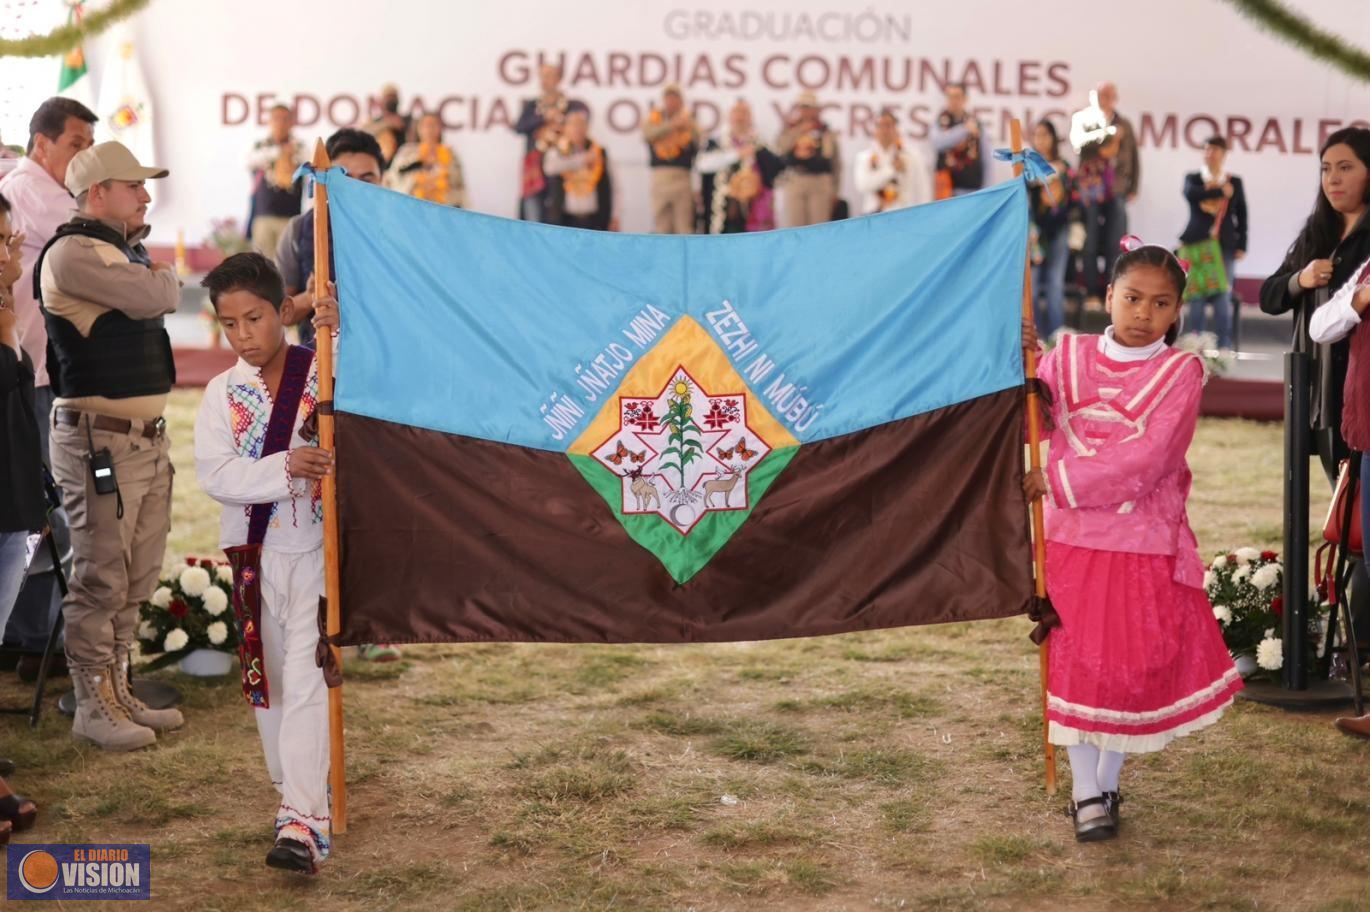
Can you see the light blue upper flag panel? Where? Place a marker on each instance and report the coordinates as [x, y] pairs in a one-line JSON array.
[[512, 332]]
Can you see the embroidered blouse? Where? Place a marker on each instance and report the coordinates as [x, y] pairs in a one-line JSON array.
[[1116, 472], [230, 431]]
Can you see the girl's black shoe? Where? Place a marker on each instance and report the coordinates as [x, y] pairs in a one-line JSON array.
[[1115, 802], [1094, 829]]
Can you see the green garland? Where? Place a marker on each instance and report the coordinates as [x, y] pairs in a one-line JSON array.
[[1295, 29], [64, 38]]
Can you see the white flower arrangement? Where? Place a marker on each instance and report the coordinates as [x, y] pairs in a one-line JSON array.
[[188, 612], [194, 581], [1245, 589]]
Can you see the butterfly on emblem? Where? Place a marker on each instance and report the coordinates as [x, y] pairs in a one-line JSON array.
[[740, 448], [622, 453]]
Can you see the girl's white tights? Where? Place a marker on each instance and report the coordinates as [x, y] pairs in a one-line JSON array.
[[1110, 769], [1092, 771]]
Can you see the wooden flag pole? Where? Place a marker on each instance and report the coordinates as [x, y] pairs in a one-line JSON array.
[[332, 578], [1034, 428]]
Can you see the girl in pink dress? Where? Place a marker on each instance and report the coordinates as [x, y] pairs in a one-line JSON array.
[[1138, 659]]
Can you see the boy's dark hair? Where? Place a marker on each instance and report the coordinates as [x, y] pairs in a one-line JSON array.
[[246, 272], [1155, 255], [4, 205], [51, 118], [350, 140], [1216, 140]]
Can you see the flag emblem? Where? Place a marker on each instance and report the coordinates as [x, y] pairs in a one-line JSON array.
[[682, 446], [684, 452]]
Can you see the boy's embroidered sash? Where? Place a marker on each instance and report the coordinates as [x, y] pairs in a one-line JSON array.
[[246, 559]]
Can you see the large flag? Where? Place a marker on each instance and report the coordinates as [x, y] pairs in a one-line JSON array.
[[562, 435], [125, 107], [73, 80]]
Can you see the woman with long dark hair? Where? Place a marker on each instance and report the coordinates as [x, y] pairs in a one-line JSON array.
[[1328, 253], [1334, 240]]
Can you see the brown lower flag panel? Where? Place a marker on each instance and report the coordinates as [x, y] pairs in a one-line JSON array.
[[450, 539]]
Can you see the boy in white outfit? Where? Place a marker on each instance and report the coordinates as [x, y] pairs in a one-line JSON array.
[[256, 453]]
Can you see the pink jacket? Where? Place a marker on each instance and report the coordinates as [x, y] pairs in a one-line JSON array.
[[1116, 470]]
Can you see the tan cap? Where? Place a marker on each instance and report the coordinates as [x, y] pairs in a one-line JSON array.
[[106, 161], [807, 100]]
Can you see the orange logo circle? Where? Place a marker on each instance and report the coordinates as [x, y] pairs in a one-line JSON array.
[[38, 872]]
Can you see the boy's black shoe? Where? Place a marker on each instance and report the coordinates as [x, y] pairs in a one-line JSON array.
[[291, 855]]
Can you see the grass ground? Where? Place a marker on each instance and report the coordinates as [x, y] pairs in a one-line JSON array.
[[883, 771]]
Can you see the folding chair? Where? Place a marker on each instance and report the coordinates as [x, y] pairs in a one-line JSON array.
[[59, 570]]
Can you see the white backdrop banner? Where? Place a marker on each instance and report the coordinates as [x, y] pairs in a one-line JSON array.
[[1185, 69]]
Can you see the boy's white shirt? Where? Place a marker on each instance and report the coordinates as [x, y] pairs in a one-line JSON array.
[[238, 481], [1335, 320]]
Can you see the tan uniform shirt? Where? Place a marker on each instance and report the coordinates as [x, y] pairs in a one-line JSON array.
[[83, 279]]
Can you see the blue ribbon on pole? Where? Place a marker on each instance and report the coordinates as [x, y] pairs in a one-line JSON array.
[[1035, 167], [307, 170]]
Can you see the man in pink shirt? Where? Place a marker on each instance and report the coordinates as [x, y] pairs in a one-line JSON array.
[[40, 203]]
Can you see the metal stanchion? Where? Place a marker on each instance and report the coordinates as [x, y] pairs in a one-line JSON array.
[[1296, 455], [1295, 691]]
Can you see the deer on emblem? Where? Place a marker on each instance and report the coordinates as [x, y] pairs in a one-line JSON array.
[[643, 490], [722, 486]]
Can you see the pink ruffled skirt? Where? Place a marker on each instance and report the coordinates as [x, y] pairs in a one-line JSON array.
[[1138, 660]]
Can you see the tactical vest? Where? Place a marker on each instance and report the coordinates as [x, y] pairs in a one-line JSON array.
[[122, 357]]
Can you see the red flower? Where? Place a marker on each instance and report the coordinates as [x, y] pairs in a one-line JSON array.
[[207, 564], [191, 561], [1232, 558], [177, 609], [1277, 606], [1269, 555]]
